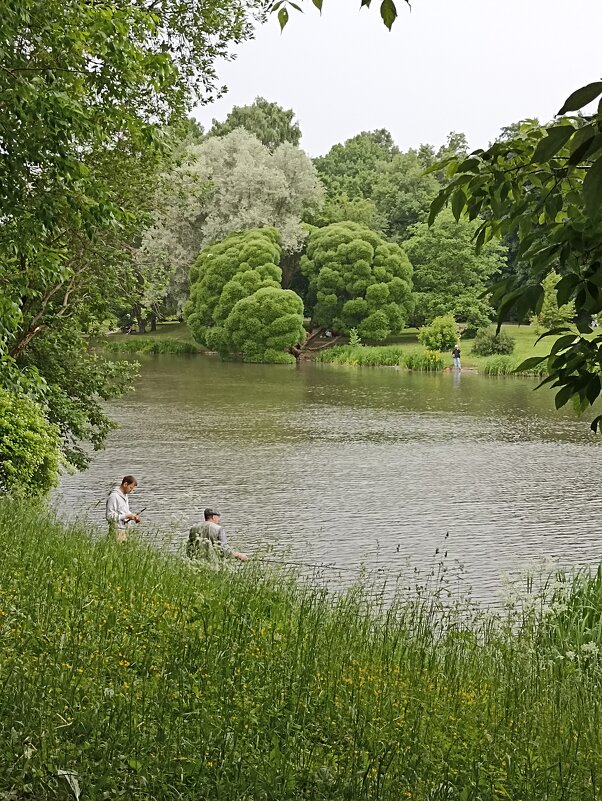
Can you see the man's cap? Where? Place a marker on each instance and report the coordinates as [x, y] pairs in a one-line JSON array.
[[210, 512]]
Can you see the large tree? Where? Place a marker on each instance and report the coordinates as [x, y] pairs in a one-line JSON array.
[[449, 277], [357, 280], [237, 304], [269, 122], [85, 90], [227, 184]]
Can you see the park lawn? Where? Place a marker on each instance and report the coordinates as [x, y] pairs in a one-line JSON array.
[[170, 329]]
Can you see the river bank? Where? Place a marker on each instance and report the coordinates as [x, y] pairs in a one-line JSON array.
[[125, 673], [401, 351]]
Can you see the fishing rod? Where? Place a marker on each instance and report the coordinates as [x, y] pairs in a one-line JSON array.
[[318, 566]]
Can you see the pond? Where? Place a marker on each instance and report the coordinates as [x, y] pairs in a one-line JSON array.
[[351, 466]]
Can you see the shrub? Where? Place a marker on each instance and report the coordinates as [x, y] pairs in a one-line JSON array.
[[29, 446], [363, 355], [488, 343], [441, 334]]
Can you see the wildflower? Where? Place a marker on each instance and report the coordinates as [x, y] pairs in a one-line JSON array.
[[570, 655], [590, 648]]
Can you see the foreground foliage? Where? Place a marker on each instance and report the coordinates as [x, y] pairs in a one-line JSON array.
[[29, 446], [544, 186], [132, 675]]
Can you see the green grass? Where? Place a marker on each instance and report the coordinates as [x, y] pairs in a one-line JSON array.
[[525, 347], [170, 337], [145, 679]]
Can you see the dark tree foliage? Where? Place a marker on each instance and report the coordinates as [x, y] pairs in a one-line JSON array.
[[269, 122], [545, 186]]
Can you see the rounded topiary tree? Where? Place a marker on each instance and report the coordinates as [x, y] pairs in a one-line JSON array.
[[29, 446], [264, 325], [225, 273], [357, 280]]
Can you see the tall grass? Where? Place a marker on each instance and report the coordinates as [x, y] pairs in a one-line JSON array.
[[139, 678], [139, 344], [380, 356], [506, 365]]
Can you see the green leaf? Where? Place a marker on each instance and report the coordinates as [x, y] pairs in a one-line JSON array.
[[458, 203], [562, 343], [529, 364], [365, 3], [551, 144], [282, 18], [436, 206], [581, 97], [317, 4], [563, 395], [592, 189], [592, 389], [565, 287], [388, 12]]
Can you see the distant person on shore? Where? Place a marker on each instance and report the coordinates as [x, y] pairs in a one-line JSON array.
[[208, 540], [456, 355], [118, 509]]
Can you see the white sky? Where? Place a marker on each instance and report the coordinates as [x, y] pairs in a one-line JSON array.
[[447, 65]]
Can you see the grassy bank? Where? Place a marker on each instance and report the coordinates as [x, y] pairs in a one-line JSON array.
[[405, 351], [130, 674], [170, 337]]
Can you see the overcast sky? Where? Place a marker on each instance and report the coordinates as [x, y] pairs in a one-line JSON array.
[[447, 65]]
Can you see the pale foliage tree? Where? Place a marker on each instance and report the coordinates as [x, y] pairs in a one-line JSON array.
[[227, 184]]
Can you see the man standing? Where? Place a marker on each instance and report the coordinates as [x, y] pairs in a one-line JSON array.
[[209, 540], [456, 355], [118, 509]]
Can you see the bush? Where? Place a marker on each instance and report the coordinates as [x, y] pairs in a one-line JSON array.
[[29, 446], [488, 343], [441, 334]]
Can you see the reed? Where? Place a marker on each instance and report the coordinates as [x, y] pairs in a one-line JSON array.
[[128, 674], [381, 356]]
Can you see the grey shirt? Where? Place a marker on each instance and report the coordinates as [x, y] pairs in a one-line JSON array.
[[118, 507], [210, 531]]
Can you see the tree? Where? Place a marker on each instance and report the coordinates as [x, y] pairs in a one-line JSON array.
[[227, 184], [264, 325], [353, 168], [403, 194], [229, 272], [545, 185], [388, 10], [87, 89], [449, 278], [29, 446], [357, 280], [551, 315], [269, 122]]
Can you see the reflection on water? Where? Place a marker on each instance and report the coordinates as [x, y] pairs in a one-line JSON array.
[[350, 466]]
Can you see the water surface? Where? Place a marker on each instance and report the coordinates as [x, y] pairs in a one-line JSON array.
[[351, 466]]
